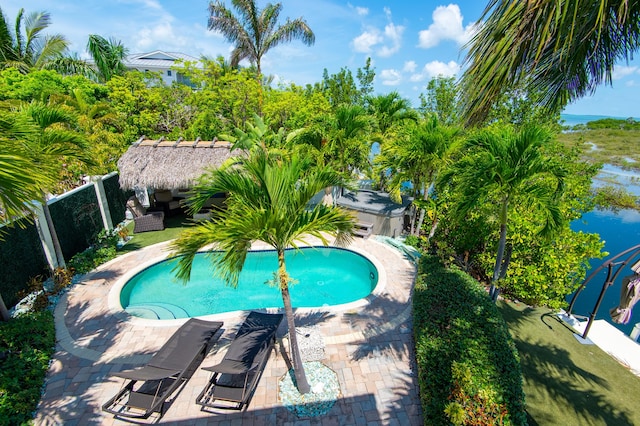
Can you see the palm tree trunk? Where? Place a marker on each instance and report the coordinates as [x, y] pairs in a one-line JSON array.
[[296, 359], [494, 291], [425, 196], [434, 228]]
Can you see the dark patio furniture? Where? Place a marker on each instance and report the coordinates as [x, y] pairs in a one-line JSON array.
[[165, 374], [144, 220], [165, 201], [235, 378]]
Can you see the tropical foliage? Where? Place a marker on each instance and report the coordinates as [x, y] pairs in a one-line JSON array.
[[468, 367], [508, 169], [414, 161], [561, 49], [108, 56], [268, 201], [26, 47], [254, 31]]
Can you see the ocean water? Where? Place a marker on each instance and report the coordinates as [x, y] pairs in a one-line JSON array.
[[575, 119], [619, 231]]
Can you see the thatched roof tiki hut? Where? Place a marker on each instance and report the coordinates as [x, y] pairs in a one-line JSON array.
[[161, 164]]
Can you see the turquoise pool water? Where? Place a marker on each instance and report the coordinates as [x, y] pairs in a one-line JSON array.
[[326, 276]]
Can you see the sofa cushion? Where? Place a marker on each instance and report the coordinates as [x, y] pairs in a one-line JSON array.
[[163, 196]]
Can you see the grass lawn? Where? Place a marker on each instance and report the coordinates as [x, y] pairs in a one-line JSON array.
[[173, 226], [565, 382]]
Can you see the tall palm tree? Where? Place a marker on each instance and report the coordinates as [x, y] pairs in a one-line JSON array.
[[108, 56], [562, 48], [26, 47], [268, 198], [504, 168], [254, 31], [417, 158]]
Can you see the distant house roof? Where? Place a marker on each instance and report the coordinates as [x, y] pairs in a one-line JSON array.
[[164, 164], [156, 59]]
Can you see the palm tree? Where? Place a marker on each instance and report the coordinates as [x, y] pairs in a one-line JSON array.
[[417, 158], [562, 48], [53, 141], [390, 109], [22, 179], [253, 31], [26, 48], [108, 56], [268, 198], [504, 168], [346, 143]]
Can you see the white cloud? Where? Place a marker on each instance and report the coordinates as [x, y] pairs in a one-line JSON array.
[[410, 66], [385, 43], [447, 25], [392, 33], [631, 83], [362, 11], [622, 71], [390, 77], [365, 41], [161, 34], [436, 69]]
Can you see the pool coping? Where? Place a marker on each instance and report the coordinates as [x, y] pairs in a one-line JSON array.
[[115, 307], [76, 348]]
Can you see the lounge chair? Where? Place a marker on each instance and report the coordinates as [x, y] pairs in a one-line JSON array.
[[144, 220], [163, 375], [235, 378]]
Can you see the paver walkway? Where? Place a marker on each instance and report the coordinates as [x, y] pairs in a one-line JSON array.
[[368, 344]]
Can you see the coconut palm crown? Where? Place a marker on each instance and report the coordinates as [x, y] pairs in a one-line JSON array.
[[254, 31], [25, 47], [268, 201]]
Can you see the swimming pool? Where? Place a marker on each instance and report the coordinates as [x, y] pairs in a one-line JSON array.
[[327, 276]]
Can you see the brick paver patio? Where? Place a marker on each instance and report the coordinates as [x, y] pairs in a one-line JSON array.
[[368, 344]]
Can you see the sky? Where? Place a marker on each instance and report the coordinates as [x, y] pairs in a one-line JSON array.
[[409, 42]]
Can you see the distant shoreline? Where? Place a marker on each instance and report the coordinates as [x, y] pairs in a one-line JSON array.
[[575, 119]]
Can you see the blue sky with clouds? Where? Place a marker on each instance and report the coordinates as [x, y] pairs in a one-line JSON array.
[[409, 42]]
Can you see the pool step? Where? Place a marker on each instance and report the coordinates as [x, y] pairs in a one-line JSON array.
[[363, 229], [160, 311]]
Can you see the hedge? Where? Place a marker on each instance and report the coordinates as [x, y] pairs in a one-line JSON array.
[[116, 198], [77, 220], [26, 346], [21, 258], [468, 366]]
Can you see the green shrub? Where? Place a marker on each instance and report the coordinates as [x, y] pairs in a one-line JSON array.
[[26, 346], [102, 251], [468, 367]]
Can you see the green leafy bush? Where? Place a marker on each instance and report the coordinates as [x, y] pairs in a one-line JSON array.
[[468, 367], [21, 253], [102, 251], [26, 346]]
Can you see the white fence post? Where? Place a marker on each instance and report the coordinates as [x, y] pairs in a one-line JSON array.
[[103, 203], [45, 234]]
